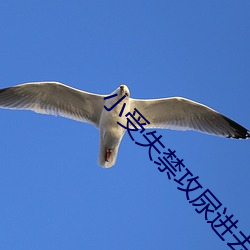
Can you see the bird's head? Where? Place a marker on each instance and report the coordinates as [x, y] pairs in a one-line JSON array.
[[123, 89]]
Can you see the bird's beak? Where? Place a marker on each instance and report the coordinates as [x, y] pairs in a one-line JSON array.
[[122, 88]]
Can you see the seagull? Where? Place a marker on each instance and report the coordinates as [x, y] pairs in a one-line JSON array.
[[104, 112]]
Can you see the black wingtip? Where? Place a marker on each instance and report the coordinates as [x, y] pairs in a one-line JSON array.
[[248, 134], [3, 90], [239, 131]]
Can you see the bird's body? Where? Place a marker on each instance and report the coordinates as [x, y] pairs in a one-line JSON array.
[[111, 134], [104, 111]]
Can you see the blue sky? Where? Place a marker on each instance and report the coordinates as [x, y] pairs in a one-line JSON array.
[[53, 193]]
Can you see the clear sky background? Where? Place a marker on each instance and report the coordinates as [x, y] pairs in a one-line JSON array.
[[53, 193]]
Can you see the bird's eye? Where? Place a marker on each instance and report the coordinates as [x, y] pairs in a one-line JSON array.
[[126, 93]]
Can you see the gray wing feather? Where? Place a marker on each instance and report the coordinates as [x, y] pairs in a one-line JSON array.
[[54, 98], [182, 114]]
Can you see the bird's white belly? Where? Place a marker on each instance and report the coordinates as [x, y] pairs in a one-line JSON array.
[[110, 131]]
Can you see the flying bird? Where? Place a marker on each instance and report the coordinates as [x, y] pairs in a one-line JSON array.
[[104, 111]]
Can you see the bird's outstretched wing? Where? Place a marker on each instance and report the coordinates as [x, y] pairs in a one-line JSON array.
[[182, 114], [54, 98]]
